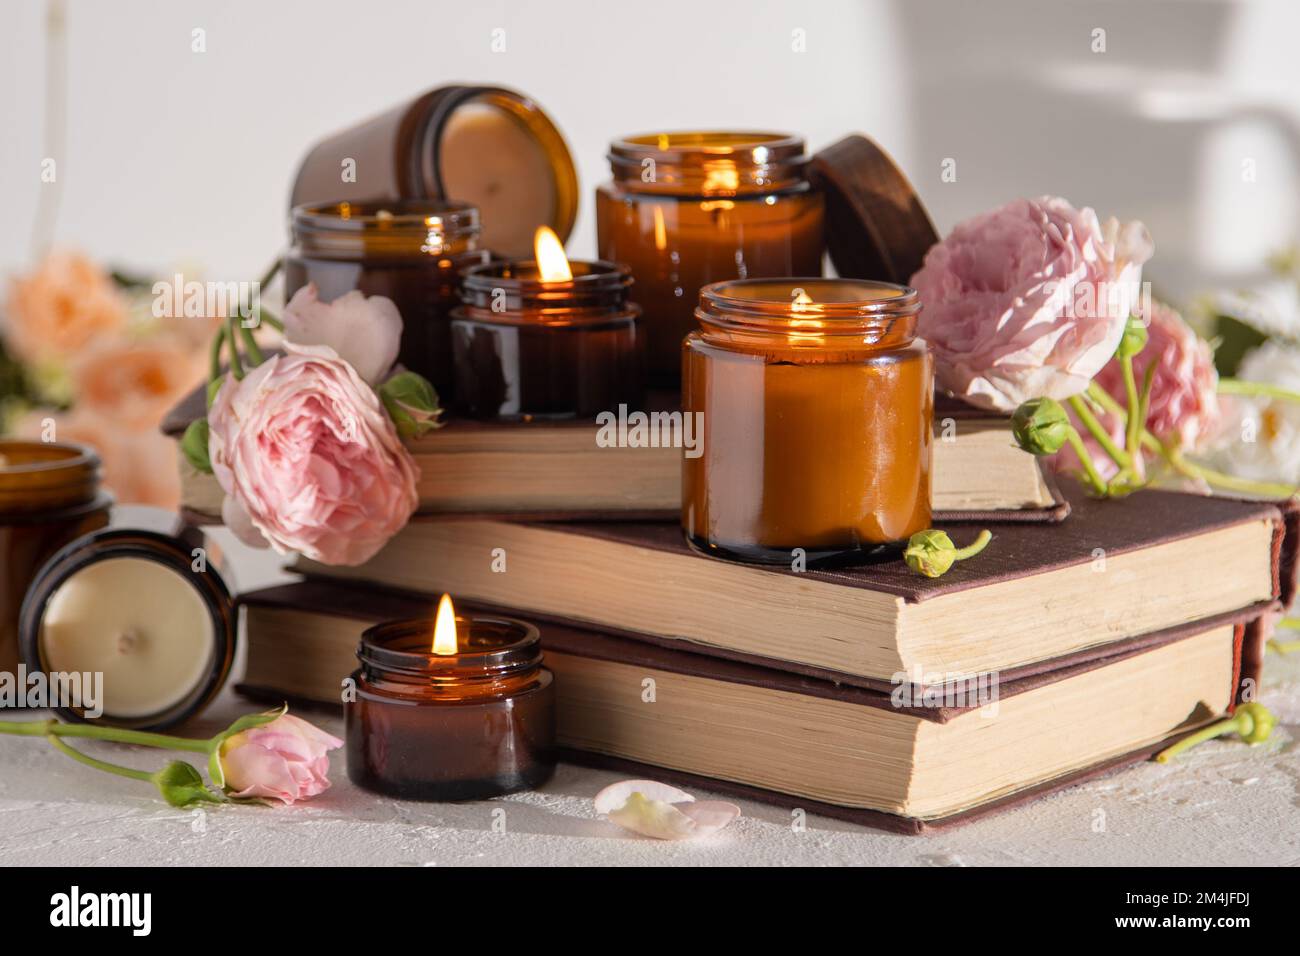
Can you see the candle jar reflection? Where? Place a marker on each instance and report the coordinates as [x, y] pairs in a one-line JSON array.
[[687, 209], [817, 405], [465, 726], [411, 251], [526, 348]]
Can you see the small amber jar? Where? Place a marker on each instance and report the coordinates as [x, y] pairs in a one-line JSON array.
[[816, 404], [411, 251], [49, 495], [526, 348], [687, 209], [469, 725]]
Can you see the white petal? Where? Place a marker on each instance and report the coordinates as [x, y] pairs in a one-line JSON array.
[[235, 517], [710, 816], [616, 794]]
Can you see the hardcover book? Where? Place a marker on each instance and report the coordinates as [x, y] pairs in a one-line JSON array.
[[903, 759], [1115, 569], [570, 469]]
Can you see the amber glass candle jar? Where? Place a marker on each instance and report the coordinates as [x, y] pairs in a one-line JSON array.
[[817, 404], [687, 209], [411, 251], [528, 348], [49, 495], [467, 725]]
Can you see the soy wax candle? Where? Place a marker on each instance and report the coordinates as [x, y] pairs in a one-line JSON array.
[[464, 710], [688, 208], [817, 404], [546, 338]]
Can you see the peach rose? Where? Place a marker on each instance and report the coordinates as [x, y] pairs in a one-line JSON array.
[[135, 383], [286, 760], [1028, 301], [60, 308], [308, 458]]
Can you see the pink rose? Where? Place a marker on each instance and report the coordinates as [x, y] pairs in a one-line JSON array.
[[1028, 301], [366, 332], [1184, 407], [308, 458], [286, 760]]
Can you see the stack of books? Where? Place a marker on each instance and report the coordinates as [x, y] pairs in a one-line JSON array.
[[1064, 650]]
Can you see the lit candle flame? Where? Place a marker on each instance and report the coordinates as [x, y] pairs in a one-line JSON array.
[[552, 263], [802, 300], [444, 628]]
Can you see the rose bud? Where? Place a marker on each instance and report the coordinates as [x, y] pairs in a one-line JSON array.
[[1041, 426]]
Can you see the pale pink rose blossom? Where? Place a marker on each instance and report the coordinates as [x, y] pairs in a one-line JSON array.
[[365, 331], [309, 458], [662, 811], [1028, 300], [286, 760], [1184, 406]]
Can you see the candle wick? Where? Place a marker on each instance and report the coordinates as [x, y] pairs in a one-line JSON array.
[[126, 642]]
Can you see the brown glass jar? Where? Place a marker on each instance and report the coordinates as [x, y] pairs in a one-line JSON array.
[[491, 147], [49, 495], [817, 404], [528, 348], [687, 209], [473, 724], [411, 251]]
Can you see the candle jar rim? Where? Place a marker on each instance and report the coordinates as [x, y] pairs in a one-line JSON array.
[[50, 475], [597, 292], [770, 306], [403, 648], [393, 214], [709, 162]]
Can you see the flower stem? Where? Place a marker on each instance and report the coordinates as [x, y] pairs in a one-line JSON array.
[[271, 272], [214, 355], [975, 547], [236, 364], [1292, 623], [48, 728], [1085, 459], [1237, 386], [250, 343], [98, 764], [1133, 427], [1267, 489], [1283, 647], [1117, 454], [1217, 729]]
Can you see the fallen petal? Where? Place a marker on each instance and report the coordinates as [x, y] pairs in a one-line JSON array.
[[661, 811], [710, 816], [616, 794]]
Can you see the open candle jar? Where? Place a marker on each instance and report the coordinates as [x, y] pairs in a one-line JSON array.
[[144, 618], [461, 711], [546, 338], [688, 208], [411, 251], [817, 404]]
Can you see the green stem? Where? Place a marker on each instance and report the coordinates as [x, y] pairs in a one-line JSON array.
[[1085, 459], [1217, 729], [214, 355], [270, 319], [271, 272], [250, 344], [1291, 623], [1117, 454], [1284, 647], [1237, 386], [47, 728], [1133, 427], [1267, 489], [236, 364], [99, 764], [1107, 401], [975, 547]]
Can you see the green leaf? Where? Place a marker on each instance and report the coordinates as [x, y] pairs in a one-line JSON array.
[[182, 786], [194, 445], [412, 404]]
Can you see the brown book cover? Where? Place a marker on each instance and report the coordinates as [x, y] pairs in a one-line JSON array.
[[366, 606], [1019, 553]]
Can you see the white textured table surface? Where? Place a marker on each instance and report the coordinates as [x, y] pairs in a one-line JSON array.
[[1223, 803]]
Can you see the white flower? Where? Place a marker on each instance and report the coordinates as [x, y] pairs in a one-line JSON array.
[[1260, 437]]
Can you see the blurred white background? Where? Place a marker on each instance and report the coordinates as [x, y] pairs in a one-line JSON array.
[[1188, 119]]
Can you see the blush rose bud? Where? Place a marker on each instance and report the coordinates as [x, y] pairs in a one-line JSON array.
[[932, 552], [1041, 426], [286, 759]]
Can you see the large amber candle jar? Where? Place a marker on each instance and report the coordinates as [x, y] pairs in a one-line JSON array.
[[816, 404], [688, 209], [410, 250]]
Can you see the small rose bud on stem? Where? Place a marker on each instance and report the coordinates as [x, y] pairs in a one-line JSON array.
[[1042, 427], [932, 552], [1252, 722]]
